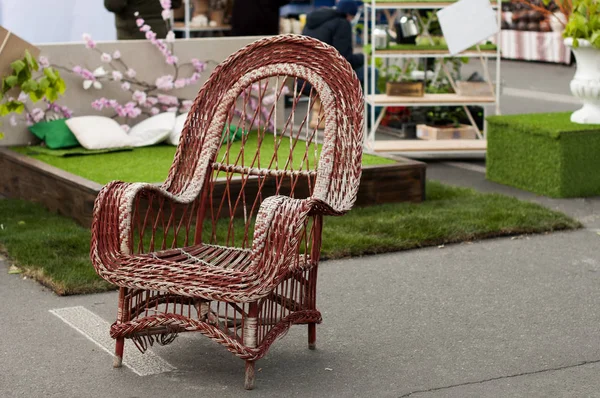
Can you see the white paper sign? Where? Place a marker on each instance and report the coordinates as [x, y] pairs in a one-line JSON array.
[[466, 23]]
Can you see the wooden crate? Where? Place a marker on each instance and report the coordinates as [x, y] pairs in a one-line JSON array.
[[473, 89], [405, 89], [464, 132]]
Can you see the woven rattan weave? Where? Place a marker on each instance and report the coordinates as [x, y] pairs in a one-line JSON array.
[[229, 244]]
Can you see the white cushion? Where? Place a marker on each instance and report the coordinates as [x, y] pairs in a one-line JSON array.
[[98, 132], [153, 130], [177, 129]]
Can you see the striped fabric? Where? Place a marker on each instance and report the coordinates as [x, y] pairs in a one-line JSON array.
[[534, 46]]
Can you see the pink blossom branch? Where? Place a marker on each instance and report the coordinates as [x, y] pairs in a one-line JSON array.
[[129, 110], [147, 98], [158, 43]]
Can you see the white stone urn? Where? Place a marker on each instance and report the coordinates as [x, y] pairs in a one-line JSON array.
[[586, 82]]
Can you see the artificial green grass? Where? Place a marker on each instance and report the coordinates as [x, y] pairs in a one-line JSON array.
[[552, 125], [48, 247], [148, 164], [151, 164], [54, 250], [544, 153]]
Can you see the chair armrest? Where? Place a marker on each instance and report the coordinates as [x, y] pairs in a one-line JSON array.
[[278, 233], [112, 221]]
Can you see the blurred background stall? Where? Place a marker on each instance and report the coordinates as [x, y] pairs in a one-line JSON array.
[[63, 21]]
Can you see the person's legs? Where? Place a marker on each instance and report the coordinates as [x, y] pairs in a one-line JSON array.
[[360, 73]]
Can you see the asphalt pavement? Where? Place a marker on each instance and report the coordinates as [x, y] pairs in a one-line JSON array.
[[497, 318], [531, 87]]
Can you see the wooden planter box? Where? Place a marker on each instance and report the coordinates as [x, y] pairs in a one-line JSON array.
[[473, 89], [464, 132], [73, 196], [405, 89]]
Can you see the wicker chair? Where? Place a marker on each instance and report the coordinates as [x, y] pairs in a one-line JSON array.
[[229, 244]]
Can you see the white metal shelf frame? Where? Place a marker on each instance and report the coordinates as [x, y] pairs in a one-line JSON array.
[[439, 54], [412, 5], [428, 100], [370, 83]]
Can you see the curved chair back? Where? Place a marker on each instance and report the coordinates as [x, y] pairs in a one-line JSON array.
[[241, 144]]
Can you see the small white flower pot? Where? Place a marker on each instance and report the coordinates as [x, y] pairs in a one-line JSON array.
[[586, 82]]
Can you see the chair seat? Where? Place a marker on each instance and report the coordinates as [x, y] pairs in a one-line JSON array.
[[205, 271], [209, 255]]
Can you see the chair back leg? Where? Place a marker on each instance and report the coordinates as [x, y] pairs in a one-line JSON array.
[[312, 336]]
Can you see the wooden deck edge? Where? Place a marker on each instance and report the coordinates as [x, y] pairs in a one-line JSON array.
[[39, 166], [73, 196], [55, 189]]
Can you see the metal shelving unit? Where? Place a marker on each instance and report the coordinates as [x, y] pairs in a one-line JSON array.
[[417, 146], [429, 100], [188, 29]]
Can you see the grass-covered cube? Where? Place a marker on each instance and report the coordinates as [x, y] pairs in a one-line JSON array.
[[544, 153]]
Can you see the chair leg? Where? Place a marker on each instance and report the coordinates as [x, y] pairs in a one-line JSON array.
[[122, 316], [249, 380], [312, 336], [118, 361]]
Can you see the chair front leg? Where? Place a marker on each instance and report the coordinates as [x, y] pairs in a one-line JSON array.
[[249, 379], [250, 341], [312, 305], [312, 279], [122, 316], [119, 348]]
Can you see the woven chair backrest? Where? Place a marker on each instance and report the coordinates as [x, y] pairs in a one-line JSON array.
[[241, 144]]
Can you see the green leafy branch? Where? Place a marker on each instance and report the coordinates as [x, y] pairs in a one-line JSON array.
[[445, 115], [47, 86], [584, 22], [397, 73]]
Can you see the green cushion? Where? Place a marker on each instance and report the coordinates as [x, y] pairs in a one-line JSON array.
[[56, 134], [235, 133]]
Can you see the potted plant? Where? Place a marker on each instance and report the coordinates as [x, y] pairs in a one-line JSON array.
[[582, 34], [475, 85], [399, 81], [444, 123]]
